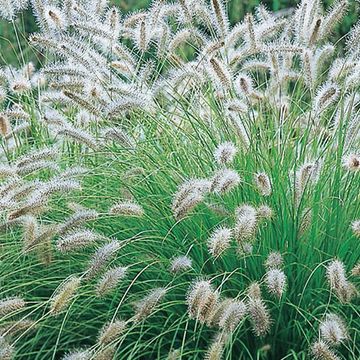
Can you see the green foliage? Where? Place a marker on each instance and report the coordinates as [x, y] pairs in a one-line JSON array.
[[165, 162], [299, 133]]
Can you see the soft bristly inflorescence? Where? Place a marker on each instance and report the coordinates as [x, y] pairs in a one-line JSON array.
[[7, 351], [77, 240], [18, 327], [110, 280], [219, 241], [216, 349], [265, 212], [110, 332], [258, 311], [180, 263], [232, 315], [338, 281], [245, 226], [224, 181], [254, 290], [127, 209], [101, 258], [351, 162], [276, 282], [336, 274], [320, 350], [274, 261], [64, 295], [333, 330], [78, 355], [202, 300], [10, 305], [356, 270], [225, 153], [189, 194], [79, 217], [146, 306], [355, 227], [263, 183]]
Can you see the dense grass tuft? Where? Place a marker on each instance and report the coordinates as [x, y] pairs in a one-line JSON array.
[[174, 186]]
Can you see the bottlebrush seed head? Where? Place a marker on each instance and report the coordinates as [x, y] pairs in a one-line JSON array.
[[3, 94], [218, 312], [7, 351], [189, 203], [320, 350], [55, 18], [145, 307], [105, 353], [351, 162], [335, 14], [225, 153], [64, 295], [355, 227], [179, 38], [189, 194], [220, 17], [78, 355], [307, 175], [263, 183], [352, 40], [305, 220], [259, 316], [120, 136], [336, 274], [274, 261], [245, 248], [220, 73], [200, 186], [28, 70], [325, 97], [202, 300], [174, 354], [275, 280], [79, 136], [10, 305], [254, 291], [246, 223], [5, 126], [216, 348], [180, 263], [224, 181], [333, 330], [127, 208], [77, 219], [244, 85], [356, 270], [110, 280], [17, 327], [77, 240], [265, 212], [111, 331], [219, 241], [101, 257], [232, 316], [73, 172], [338, 282], [20, 85]]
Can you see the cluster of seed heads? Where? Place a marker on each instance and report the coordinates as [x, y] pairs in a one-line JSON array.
[[104, 68]]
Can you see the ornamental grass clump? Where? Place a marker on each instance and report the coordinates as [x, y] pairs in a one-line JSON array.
[[176, 185]]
